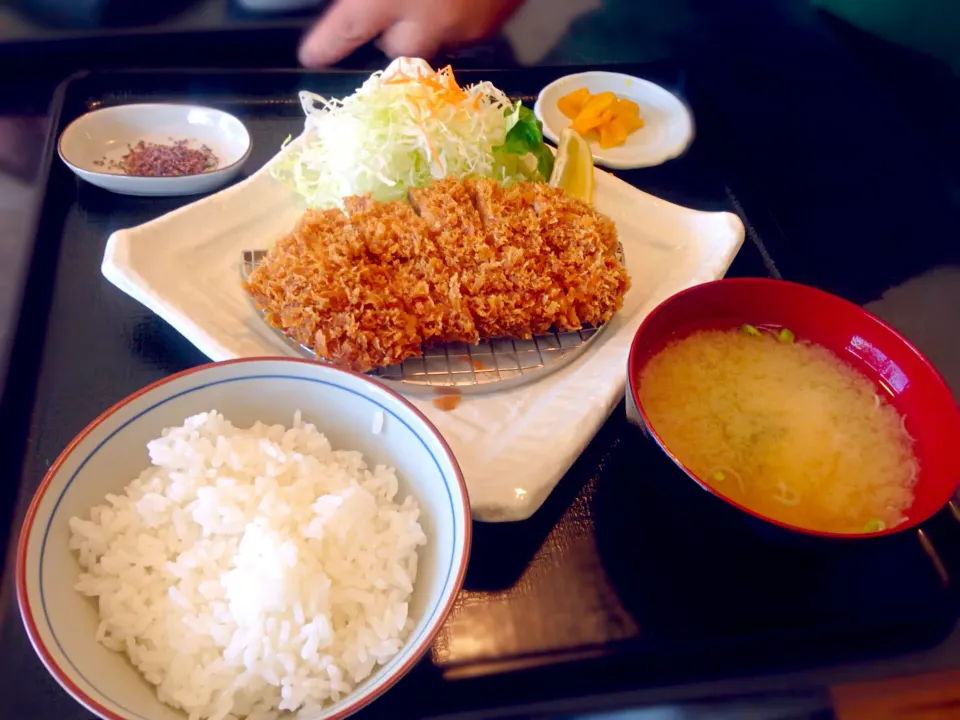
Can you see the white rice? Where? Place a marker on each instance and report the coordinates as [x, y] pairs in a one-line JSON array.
[[250, 572]]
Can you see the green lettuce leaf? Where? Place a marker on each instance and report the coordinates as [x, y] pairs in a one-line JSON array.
[[526, 137]]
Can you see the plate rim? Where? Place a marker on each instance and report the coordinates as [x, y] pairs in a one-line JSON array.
[[600, 157]]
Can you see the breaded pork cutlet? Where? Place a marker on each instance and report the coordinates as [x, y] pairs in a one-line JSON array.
[[536, 301], [587, 262], [468, 249], [318, 287], [398, 240], [463, 260]]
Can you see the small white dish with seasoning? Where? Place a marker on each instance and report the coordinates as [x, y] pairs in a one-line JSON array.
[[156, 149], [629, 122]]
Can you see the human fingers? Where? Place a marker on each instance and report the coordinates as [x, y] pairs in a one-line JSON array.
[[433, 24], [410, 38], [344, 27]]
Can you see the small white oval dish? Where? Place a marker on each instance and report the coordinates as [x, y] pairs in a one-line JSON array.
[[94, 141], [668, 123]]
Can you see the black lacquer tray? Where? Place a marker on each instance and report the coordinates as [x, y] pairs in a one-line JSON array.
[[628, 577]]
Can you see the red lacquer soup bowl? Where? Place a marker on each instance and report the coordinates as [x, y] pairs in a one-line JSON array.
[[861, 339]]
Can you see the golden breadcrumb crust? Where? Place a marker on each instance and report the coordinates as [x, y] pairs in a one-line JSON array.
[[365, 287]]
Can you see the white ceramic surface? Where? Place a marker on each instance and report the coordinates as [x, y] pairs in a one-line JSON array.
[[514, 445], [111, 452], [668, 124], [109, 132]]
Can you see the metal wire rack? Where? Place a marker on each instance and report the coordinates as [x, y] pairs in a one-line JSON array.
[[491, 365]]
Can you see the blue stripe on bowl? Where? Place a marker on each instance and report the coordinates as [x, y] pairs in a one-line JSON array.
[[386, 669]]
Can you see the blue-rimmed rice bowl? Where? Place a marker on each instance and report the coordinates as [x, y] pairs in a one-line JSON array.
[[353, 411]]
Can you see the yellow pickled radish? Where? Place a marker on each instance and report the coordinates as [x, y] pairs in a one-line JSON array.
[[573, 167], [614, 132], [628, 108], [592, 114], [572, 103], [604, 116], [628, 113]]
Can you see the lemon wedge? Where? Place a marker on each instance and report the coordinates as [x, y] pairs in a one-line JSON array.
[[573, 167]]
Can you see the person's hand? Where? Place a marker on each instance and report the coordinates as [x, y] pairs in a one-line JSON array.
[[412, 28]]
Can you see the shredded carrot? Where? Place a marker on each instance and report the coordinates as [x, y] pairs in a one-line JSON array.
[[443, 84], [437, 89], [433, 151]]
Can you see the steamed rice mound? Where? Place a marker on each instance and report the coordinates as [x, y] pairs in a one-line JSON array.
[[253, 571]]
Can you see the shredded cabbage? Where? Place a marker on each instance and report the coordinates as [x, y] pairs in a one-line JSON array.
[[405, 126]]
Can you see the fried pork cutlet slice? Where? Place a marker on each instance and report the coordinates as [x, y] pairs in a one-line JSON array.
[[399, 241], [535, 301], [445, 205], [318, 288], [326, 236], [447, 208], [373, 328], [589, 267], [284, 285], [531, 257]]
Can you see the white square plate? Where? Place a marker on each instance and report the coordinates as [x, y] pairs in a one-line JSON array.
[[513, 445]]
